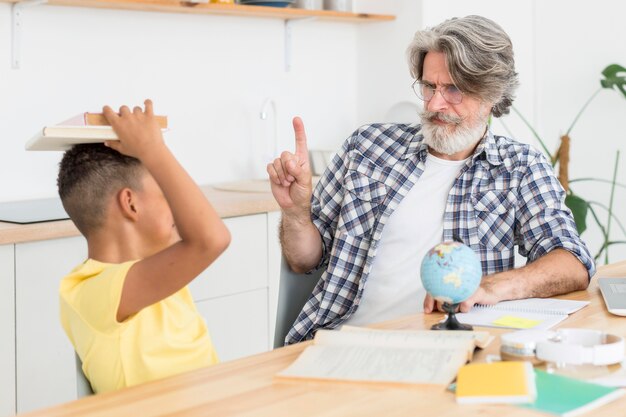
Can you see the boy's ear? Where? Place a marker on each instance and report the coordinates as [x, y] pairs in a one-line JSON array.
[[127, 201]]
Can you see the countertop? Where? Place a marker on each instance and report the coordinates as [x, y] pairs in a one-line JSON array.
[[227, 204]]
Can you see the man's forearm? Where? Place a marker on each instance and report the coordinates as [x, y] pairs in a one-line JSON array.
[[557, 272], [301, 242]]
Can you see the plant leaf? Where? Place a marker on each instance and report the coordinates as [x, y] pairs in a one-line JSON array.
[[613, 79], [579, 208], [617, 184], [613, 216]]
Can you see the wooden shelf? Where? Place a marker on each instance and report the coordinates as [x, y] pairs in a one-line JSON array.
[[174, 6]]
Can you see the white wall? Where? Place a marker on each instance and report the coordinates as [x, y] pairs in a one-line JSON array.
[[576, 40], [209, 74], [384, 92]]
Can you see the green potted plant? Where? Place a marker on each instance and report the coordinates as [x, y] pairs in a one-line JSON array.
[[613, 78]]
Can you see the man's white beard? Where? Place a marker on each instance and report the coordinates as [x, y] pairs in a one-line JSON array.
[[442, 140]]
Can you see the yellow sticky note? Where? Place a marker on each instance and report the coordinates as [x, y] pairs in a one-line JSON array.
[[516, 322]]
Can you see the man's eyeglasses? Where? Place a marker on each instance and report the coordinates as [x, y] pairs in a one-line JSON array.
[[426, 92]]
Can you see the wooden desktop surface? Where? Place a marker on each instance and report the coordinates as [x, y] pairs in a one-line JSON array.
[[247, 387]]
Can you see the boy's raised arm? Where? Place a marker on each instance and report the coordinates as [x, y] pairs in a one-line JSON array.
[[203, 234]]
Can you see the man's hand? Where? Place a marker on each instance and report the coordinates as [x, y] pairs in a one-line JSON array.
[[483, 295], [431, 305], [290, 176]]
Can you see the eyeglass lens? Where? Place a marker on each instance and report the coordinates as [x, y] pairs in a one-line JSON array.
[[450, 93]]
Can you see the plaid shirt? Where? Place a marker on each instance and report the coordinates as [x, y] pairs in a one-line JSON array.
[[505, 195]]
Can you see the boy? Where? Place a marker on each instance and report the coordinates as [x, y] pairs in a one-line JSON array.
[[150, 231]]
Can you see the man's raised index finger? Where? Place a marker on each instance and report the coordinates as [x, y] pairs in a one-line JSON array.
[[301, 146]]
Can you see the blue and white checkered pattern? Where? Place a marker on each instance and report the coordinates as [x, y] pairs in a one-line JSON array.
[[505, 195]]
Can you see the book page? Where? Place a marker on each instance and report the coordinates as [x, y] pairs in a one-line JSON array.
[[375, 364], [538, 305], [420, 338]]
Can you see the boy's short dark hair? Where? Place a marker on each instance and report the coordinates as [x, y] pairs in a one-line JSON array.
[[89, 174]]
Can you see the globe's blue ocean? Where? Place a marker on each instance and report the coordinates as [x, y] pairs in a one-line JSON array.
[[451, 272]]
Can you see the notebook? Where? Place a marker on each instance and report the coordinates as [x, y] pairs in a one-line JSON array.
[[531, 313], [496, 383], [614, 294], [568, 397]]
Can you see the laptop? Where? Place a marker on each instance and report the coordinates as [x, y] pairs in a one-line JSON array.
[[614, 293]]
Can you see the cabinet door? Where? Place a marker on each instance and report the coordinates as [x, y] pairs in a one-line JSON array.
[[238, 324], [273, 259], [46, 369], [7, 331], [243, 267]]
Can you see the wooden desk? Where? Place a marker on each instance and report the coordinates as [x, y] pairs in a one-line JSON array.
[[246, 387]]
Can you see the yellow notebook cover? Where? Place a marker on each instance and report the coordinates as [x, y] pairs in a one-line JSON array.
[[498, 382]]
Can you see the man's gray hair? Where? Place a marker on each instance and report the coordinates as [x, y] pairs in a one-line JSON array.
[[479, 55]]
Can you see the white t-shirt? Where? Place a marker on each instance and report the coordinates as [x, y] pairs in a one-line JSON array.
[[394, 287]]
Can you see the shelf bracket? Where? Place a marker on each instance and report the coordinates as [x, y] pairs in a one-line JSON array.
[[288, 39], [16, 28]]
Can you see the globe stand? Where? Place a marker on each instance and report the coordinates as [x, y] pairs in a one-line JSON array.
[[451, 323]]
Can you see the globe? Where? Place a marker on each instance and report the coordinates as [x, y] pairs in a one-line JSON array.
[[451, 272]]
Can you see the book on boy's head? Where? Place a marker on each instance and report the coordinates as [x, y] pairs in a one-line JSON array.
[[83, 128], [569, 397], [497, 382], [98, 119], [421, 357]]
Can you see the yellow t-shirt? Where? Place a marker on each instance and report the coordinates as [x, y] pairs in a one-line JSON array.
[[166, 338]]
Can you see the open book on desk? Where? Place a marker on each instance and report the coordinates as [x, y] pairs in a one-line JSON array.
[[421, 357], [531, 313]]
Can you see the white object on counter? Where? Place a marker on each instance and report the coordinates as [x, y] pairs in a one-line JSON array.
[[582, 346], [310, 4], [338, 5], [320, 159]]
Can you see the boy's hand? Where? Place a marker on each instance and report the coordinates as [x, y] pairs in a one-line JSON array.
[[290, 175], [138, 131]]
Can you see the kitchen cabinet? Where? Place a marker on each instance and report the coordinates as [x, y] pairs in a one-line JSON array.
[[274, 257], [46, 371], [243, 267], [238, 323], [7, 331], [233, 295]]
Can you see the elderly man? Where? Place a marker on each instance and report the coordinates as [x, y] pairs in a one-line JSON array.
[[394, 190]]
